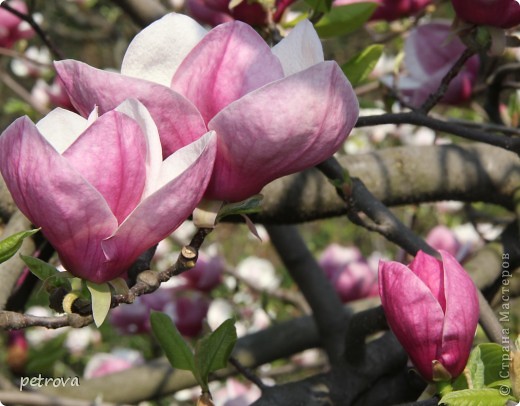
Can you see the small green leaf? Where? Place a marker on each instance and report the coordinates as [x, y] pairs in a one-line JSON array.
[[47, 273], [492, 355], [504, 383], [474, 397], [475, 368], [248, 206], [120, 286], [101, 297], [344, 19], [361, 65], [171, 341], [10, 245], [212, 352]]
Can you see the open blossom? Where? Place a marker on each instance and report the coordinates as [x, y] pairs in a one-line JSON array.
[[99, 188], [390, 10], [275, 112], [432, 308], [13, 28], [431, 50], [496, 13]]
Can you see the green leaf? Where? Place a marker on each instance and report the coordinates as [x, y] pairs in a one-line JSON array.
[[47, 273], [248, 206], [212, 352], [475, 368], [361, 65], [344, 19], [491, 355], [171, 341], [10, 245], [504, 383], [474, 397], [320, 6], [101, 297]]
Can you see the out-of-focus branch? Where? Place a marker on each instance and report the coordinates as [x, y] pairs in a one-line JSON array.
[[314, 285], [402, 175], [39, 399], [142, 12]]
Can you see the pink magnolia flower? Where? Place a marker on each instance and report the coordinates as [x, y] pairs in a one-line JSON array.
[[432, 308], [390, 10], [228, 80], [496, 13], [349, 273], [102, 364], [99, 189], [215, 12], [13, 28], [187, 309], [430, 52], [207, 273]]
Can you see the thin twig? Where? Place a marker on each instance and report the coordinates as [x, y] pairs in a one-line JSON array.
[[434, 98], [247, 373], [30, 20]]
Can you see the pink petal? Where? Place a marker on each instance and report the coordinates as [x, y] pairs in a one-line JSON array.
[[178, 121], [462, 312], [111, 156], [162, 212], [231, 61], [300, 49], [157, 60], [413, 314], [73, 215], [430, 270], [284, 127]]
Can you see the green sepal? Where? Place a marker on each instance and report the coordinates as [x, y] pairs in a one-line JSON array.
[[251, 205]]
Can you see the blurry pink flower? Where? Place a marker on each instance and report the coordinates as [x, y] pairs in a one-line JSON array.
[[188, 311], [66, 176], [45, 95], [496, 13], [215, 12], [102, 364], [430, 52], [235, 393], [230, 81], [442, 238], [349, 273], [207, 273], [432, 308], [12, 28], [390, 10]]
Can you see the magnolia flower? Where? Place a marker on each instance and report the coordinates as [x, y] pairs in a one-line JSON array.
[[118, 360], [496, 13], [349, 273], [13, 28], [207, 273], [100, 190], [215, 12], [432, 308], [430, 52], [390, 10], [275, 111]]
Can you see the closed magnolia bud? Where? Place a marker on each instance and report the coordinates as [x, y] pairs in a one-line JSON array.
[[496, 13], [432, 308]]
